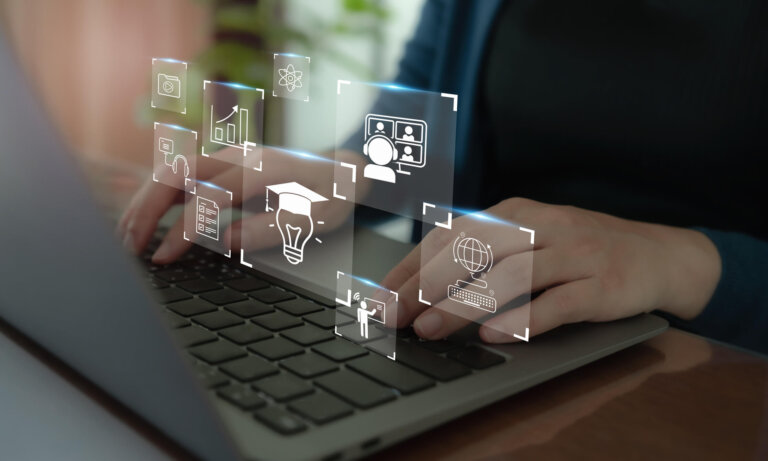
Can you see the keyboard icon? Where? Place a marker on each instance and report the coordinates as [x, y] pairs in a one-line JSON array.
[[471, 298]]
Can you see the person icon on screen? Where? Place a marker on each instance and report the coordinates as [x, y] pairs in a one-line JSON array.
[[379, 128], [362, 317], [407, 157], [408, 136], [381, 151]]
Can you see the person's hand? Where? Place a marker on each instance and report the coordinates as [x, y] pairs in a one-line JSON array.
[[591, 266], [153, 200]]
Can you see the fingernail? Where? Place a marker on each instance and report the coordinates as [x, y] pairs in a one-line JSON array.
[[490, 335], [163, 253], [428, 325], [128, 243]]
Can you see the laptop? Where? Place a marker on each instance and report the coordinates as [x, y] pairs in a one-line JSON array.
[[228, 362]]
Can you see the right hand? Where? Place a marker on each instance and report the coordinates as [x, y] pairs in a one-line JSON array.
[[153, 200]]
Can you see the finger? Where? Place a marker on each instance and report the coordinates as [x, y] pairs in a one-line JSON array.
[[567, 303], [253, 233], [174, 244], [444, 269], [142, 216], [509, 279]]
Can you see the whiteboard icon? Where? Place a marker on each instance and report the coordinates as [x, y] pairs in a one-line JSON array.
[[169, 85], [207, 218]]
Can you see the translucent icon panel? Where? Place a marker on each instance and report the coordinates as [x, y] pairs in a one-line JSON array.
[[292, 226], [366, 313], [233, 123], [207, 216], [407, 140], [169, 85], [291, 76], [174, 155], [479, 269]]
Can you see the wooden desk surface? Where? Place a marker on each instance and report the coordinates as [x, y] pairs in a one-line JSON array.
[[677, 396]]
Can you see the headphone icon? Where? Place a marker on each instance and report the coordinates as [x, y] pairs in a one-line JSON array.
[[175, 165]]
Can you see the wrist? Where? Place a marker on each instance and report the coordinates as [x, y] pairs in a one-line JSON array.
[[693, 269]]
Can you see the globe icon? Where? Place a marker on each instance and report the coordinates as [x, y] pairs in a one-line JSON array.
[[472, 255]]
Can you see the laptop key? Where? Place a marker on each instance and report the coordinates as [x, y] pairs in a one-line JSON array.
[[355, 389], [245, 334], [217, 352], [249, 368], [277, 321], [299, 306], [247, 284], [175, 275], [427, 362], [440, 347], [170, 295], [283, 387], [175, 320], [271, 295], [476, 357], [391, 373], [157, 283], [191, 307], [223, 296], [328, 319], [210, 376], [352, 333], [307, 335], [280, 420], [340, 350], [249, 308], [275, 348], [192, 336], [309, 365], [241, 396], [198, 286], [217, 320], [321, 408]]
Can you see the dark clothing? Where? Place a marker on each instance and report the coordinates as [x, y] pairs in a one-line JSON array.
[[648, 110]]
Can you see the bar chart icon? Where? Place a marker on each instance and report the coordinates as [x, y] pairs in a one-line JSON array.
[[231, 130]]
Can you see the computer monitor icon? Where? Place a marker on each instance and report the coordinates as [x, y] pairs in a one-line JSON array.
[[394, 140]]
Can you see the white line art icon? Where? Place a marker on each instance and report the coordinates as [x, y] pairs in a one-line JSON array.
[[165, 146], [294, 217], [169, 85], [393, 141], [290, 78], [207, 218], [477, 258], [232, 130]]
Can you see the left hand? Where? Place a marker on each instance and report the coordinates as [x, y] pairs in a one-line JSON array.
[[591, 266]]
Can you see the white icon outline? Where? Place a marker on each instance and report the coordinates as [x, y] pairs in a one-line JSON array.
[[290, 77], [461, 291], [294, 201], [207, 218], [393, 140], [168, 85]]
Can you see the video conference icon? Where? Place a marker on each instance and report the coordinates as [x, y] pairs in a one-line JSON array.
[[393, 140]]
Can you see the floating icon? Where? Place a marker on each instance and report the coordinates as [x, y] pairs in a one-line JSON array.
[[290, 78], [231, 130], [207, 218], [294, 217], [477, 258], [169, 85], [165, 146], [369, 309], [393, 140]]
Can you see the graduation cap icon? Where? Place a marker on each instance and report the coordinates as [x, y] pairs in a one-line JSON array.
[[294, 217]]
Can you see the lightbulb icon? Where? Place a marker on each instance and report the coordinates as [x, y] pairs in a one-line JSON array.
[[294, 217]]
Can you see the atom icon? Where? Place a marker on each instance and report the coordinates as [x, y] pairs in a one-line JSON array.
[[290, 78]]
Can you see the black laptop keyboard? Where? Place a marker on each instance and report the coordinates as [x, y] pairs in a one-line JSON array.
[[273, 353]]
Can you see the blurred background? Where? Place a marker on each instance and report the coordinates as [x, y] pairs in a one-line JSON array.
[[90, 60]]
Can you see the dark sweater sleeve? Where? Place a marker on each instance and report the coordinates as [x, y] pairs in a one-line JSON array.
[[738, 310]]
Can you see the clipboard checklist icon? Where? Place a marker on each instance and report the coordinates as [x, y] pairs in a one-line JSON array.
[[207, 218]]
